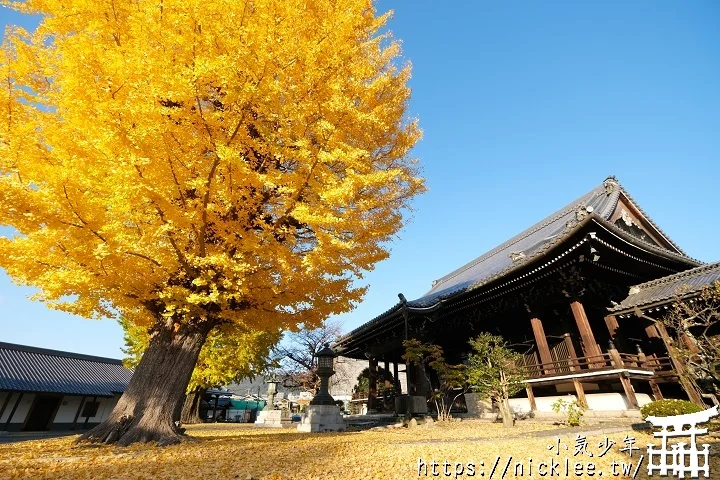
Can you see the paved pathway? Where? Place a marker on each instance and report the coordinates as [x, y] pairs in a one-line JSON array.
[[12, 437], [555, 432]]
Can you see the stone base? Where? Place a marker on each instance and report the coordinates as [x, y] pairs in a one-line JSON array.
[[477, 405], [401, 404], [272, 419], [416, 405], [322, 418]]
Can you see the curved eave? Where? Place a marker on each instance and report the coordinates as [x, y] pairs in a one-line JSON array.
[[647, 218], [496, 282]]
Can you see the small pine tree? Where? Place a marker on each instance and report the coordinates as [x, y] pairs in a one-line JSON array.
[[494, 370]]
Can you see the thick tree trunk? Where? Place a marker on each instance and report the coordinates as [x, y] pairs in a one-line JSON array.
[[191, 407], [152, 402]]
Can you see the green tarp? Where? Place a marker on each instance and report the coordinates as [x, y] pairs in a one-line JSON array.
[[247, 404]]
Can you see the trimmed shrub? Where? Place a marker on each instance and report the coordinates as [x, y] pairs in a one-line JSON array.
[[668, 407]]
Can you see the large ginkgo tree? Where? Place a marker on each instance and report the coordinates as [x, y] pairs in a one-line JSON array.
[[184, 164]]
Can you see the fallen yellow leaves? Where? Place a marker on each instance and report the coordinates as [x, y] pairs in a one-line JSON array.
[[242, 451]]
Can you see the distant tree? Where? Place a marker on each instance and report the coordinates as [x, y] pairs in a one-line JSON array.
[[494, 370], [229, 355], [452, 379]]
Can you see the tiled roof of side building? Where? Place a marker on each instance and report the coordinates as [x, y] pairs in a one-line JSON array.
[[31, 369], [667, 288]]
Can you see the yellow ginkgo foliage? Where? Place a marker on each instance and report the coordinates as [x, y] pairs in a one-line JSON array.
[[186, 164]]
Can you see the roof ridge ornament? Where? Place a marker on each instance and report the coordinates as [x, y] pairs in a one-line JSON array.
[[610, 184], [582, 211], [517, 256]]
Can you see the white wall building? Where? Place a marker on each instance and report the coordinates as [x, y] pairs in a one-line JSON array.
[[43, 389]]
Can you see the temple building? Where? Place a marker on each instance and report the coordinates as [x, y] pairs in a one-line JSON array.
[[558, 293]]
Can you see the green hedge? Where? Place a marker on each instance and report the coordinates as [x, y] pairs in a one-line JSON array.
[[669, 407]]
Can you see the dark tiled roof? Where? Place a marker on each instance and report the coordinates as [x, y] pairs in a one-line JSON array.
[[598, 203], [666, 288], [33, 369]]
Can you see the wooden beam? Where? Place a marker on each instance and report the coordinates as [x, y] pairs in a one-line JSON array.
[[77, 414], [590, 346], [542, 344], [5, 403], [613, 327], [679, 366], [652, 332], [531, 397], [12, 412], [582, 401], [629, 391], [657, 394]]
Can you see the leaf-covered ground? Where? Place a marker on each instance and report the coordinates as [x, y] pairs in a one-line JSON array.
[[241, 451]]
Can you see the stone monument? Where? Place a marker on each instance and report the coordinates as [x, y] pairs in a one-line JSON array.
[[269, 416]]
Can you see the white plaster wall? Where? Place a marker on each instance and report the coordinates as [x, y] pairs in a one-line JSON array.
[[347, 371], [596, 401], [22, 409], [68, 409], [614, 401], [106, 406]]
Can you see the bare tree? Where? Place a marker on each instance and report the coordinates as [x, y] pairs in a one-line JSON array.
[[691, 333], [695, 324], [296, 354]]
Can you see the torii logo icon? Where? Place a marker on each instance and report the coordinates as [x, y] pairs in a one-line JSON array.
[[682, 460]]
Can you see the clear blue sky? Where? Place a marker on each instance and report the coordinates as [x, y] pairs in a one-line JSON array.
[[524, 106]]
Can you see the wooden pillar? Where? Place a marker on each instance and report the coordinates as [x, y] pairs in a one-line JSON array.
[[617, 362], [387, 385], [572, 363], [613, 327], [615, 359], [372, 380], [542, 345], [629, 391], [5, 403], [87, 419], [582, 401], [657, 393], [12, 412], [643, 363], [531, 397], [77, 413], [590, 347], [396, 376]]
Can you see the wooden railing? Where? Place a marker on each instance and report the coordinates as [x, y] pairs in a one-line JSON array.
[[605, 361]]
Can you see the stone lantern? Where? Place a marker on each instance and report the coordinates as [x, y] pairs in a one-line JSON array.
[[323, 415], [325, 370], [269, 416], [272, 383]]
